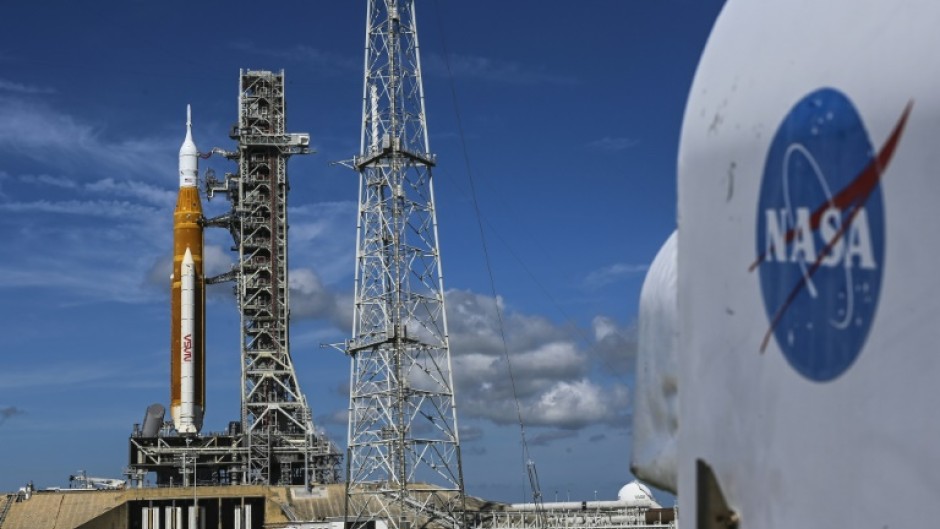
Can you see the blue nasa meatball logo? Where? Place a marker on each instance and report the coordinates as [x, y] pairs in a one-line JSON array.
[[821, 233]]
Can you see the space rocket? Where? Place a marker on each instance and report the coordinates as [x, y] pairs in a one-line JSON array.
[[187, 297]]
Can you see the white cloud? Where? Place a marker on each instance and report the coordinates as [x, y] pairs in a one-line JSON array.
[[217, 260], [551, 369], [90, 208], [615, 347], [579, 404], [20, 88], [309, 298], [84, 374], [324, 61], [492, 70], [322, 238], [53, 138], [613, 273], [613, 144], [546, 438], [470, 434], [69, 246], [164, 198], [44, 179]]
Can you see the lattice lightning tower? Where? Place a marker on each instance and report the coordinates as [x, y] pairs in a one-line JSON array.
[[403, 462]]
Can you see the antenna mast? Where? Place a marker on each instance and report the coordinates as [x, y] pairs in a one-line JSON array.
[[403, 463]]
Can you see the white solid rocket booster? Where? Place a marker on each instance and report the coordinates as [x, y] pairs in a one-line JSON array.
[[187, 331]]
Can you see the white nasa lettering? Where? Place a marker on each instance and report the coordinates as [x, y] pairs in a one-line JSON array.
[[776, 247], [829, 226], [804, 247], [859, 243], [854, 245]]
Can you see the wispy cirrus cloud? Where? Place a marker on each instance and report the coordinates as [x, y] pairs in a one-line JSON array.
[[95, 236], [148, 193], [613, 274], [47, 180], [324, 61], [546, 438], [610, 144], [492, 70], [91, 208], [84, 374], [34, 129], [21, 88]]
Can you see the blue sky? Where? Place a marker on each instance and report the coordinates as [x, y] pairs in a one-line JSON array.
[[571, 114]]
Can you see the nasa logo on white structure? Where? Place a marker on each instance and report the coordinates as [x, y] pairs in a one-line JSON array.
[[821, 233]]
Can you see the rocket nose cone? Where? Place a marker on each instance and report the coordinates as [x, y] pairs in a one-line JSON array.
[[188, 257], [189, 155]]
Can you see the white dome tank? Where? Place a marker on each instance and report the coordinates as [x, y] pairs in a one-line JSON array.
[[637, 495]]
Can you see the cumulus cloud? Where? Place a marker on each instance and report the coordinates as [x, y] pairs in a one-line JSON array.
[[552, 371], [336, 418], [470, 434], [309, 298], [216, 260], [574, 405], [322, 238], [615, 346]]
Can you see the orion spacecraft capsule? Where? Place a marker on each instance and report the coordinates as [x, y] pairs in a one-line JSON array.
[[187, 297]]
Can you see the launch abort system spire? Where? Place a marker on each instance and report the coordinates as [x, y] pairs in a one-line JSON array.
[[403, 461]]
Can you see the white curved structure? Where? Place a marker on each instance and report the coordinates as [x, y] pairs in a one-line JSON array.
[[655, 409], [636, 494], [809, 149]]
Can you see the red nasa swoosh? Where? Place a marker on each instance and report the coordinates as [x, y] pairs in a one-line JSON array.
[[854, 195]]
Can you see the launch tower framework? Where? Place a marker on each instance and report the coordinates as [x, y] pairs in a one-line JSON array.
[[276, 423], [403, 462]]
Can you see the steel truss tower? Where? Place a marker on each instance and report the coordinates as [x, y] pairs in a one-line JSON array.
[[403, 460], [277, 428]]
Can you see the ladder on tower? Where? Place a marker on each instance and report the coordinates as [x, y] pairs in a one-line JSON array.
[[6, 507]]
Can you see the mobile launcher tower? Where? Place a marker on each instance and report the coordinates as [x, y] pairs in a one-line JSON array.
[[275, 441]]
